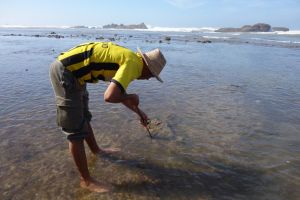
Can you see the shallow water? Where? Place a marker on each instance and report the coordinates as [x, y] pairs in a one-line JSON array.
[[230, 118]]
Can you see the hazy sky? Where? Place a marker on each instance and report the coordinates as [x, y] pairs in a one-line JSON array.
[[163, 13]]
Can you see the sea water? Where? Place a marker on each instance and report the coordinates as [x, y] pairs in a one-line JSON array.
[[229, 113]]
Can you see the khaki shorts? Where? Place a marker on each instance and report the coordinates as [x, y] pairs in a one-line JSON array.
[[72, 99]]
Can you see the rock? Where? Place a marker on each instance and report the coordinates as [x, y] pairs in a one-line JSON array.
[[122, 26], [204, 41], [80, 26], [100, 38], [55, 36], [246, 28], [280, 29], [260, 27], [225, 30], [167, 38]]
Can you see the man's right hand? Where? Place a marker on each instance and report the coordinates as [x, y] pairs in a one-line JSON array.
[[113, 94]]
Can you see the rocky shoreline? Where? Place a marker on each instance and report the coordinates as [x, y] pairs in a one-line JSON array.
[[159, 38]]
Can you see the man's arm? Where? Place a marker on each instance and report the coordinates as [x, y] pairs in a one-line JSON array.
[[113, 94]]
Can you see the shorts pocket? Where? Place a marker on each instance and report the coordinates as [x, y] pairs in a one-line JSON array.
[[70, 118]]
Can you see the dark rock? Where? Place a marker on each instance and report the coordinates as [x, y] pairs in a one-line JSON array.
[[167, 38], [280, 29], [56, 36], [80, 26], [100, 38], [204, 41], [225, 30], [260, 27], [52, 33], [122, 26]]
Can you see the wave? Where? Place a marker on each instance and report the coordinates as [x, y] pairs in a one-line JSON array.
[[294, 32], [216, 37], [180, 29], [291, 32]]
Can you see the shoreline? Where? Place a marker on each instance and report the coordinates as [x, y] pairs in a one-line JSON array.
[[285, 40]]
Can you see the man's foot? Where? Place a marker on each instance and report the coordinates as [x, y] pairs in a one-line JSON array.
[[95, 186], [107, 151]]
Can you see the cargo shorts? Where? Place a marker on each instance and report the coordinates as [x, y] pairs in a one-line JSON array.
[[72, 99]]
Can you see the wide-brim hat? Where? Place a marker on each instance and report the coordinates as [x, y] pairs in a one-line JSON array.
[[155, 61]]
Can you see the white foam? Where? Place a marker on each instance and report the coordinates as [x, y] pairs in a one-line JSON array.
[[276, 41], [215, 37], [295, 32], [180, 29]]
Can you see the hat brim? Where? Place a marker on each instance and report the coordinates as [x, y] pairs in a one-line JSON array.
[[148, 63]]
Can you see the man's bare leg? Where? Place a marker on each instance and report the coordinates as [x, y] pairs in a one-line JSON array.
[[91, 141], [76, 148]]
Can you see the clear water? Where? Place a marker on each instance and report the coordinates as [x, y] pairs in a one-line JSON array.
[[230, 115]]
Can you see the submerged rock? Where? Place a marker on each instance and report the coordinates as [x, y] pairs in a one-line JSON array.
[[100, 38], [167, 38], [204, 41], [154, 124]]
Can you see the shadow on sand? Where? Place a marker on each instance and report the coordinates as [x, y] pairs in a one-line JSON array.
[[224, 182]]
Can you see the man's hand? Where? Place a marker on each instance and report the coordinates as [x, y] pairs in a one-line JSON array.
[[113, 94], [143, 117]]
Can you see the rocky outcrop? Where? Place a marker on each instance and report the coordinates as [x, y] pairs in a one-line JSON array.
[[79, 26], [122, 26], [280, 29], [260, 27]]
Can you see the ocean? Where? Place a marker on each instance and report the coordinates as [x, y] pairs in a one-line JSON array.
[[229, 109]]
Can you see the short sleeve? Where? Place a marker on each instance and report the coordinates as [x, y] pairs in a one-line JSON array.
[[126, 73]]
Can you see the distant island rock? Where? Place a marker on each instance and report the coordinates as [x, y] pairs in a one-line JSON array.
[[122, 26], [260, 27], [79, 26]]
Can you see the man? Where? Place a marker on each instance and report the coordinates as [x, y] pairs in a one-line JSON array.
[[89, 63]]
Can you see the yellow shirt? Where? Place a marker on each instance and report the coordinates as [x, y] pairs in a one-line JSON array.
[[105, 61]]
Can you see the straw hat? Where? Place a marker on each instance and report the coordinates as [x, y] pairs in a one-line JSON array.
[[155, 61]]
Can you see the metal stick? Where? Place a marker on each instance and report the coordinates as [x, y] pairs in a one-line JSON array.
[[139, 112]]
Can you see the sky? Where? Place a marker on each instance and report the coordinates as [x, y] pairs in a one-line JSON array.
[[157, 13]]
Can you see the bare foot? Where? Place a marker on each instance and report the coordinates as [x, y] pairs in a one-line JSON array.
[[95, 186], [107, 151]]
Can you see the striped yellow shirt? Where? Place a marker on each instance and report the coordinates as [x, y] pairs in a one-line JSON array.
[[105, 61]]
